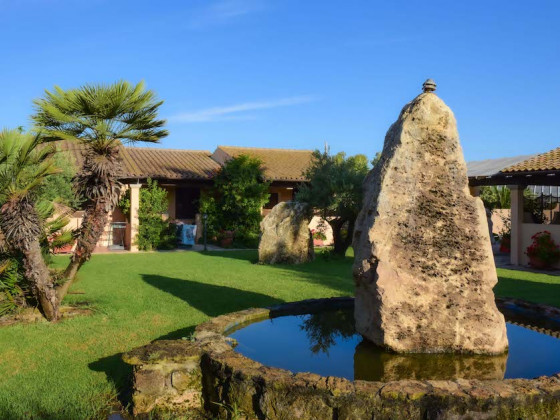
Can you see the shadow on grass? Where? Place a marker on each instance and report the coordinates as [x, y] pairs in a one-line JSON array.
[[210, 299], [331, 271], [119, 374], [213, 300], [533, 291]]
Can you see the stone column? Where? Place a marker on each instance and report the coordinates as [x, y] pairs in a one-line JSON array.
[[516, 222], [134, 222]]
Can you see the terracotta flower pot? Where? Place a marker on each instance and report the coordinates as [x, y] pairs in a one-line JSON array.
[[226, 242], [537, 263]]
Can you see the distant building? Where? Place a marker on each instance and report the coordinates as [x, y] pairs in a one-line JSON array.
[[184, 174]]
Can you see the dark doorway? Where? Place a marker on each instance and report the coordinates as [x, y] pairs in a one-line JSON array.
[[186, 202], [272, 201]]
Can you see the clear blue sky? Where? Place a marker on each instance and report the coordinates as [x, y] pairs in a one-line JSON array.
[[294, 73]]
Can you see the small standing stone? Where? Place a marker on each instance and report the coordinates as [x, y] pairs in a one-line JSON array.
[[285, 235], [424, 268]]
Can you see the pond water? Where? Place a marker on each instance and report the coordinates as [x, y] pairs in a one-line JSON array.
[[326, 343]]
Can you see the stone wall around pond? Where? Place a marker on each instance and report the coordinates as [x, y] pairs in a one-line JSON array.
[[205, 376]]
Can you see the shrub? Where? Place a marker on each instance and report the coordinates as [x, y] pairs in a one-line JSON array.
[[235, 201], [124, 204], [11, 294], [544, 248], [154, 232]]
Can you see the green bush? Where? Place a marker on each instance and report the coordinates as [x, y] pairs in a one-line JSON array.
[[235, 201], [12, 295], [154, 232]]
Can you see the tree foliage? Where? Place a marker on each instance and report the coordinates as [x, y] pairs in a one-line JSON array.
[[154, 232], [236, 199], [496, 197], [335, 191], [58, 188]]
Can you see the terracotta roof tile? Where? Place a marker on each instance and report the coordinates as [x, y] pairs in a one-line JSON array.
[[278, 164], [173, 164], [548, 161]]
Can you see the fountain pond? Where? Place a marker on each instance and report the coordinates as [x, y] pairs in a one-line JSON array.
[[327, 344]]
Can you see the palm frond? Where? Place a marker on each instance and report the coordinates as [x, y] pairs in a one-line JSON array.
[[97, 113]]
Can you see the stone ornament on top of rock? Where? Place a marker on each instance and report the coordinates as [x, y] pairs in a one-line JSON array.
[[424, 269], [285, 235]]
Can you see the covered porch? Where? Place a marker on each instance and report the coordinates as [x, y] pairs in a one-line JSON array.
[[535, 195]]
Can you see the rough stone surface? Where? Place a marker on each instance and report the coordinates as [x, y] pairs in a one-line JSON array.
[[424, 270], [206, 377], [285, 235]]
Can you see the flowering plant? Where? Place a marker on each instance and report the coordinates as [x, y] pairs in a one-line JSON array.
[[543, 248], [317, 234]]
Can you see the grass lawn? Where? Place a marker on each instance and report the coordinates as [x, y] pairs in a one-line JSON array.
[[73, 369]]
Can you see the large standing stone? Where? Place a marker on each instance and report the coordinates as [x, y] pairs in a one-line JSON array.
[[285, 235], [424, 269]]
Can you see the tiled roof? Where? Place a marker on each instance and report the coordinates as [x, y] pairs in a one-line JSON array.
[[172, 163], [489, 167], [278, 164], [145, 162], [548, 161], [76, 152]]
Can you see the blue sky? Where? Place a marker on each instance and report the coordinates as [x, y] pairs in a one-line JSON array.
[[297, 74]]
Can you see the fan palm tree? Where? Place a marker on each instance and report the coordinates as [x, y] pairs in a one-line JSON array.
[[99, 117], [23, 168]]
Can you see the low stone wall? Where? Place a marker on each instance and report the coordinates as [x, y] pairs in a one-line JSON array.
[[206, 376]]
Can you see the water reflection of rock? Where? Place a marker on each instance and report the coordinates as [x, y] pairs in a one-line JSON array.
[[371, 363], [322, 329]]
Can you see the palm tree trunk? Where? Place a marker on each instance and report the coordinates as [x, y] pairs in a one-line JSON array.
[[37, 272], [21, 227], [93, 224]]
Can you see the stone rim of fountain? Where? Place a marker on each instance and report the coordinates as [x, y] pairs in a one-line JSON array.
[[229, 378]]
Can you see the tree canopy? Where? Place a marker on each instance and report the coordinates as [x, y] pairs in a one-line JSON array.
[[335, 191]]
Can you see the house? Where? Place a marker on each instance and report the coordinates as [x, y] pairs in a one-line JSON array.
[[541, 174], [185, 174]]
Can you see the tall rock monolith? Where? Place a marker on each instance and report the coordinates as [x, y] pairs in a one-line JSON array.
[[424, 269]]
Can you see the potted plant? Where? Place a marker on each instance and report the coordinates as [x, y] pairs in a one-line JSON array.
[[505, 235], [505, 243], [318, 237], [543, 251], [226, 238]]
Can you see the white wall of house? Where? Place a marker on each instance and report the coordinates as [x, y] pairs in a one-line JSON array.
[[317, 223]]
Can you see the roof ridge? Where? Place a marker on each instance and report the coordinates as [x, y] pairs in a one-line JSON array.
[[280, 149], [545, 161], [168, 150]]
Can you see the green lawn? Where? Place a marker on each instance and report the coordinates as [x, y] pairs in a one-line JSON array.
[[73, 369]]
